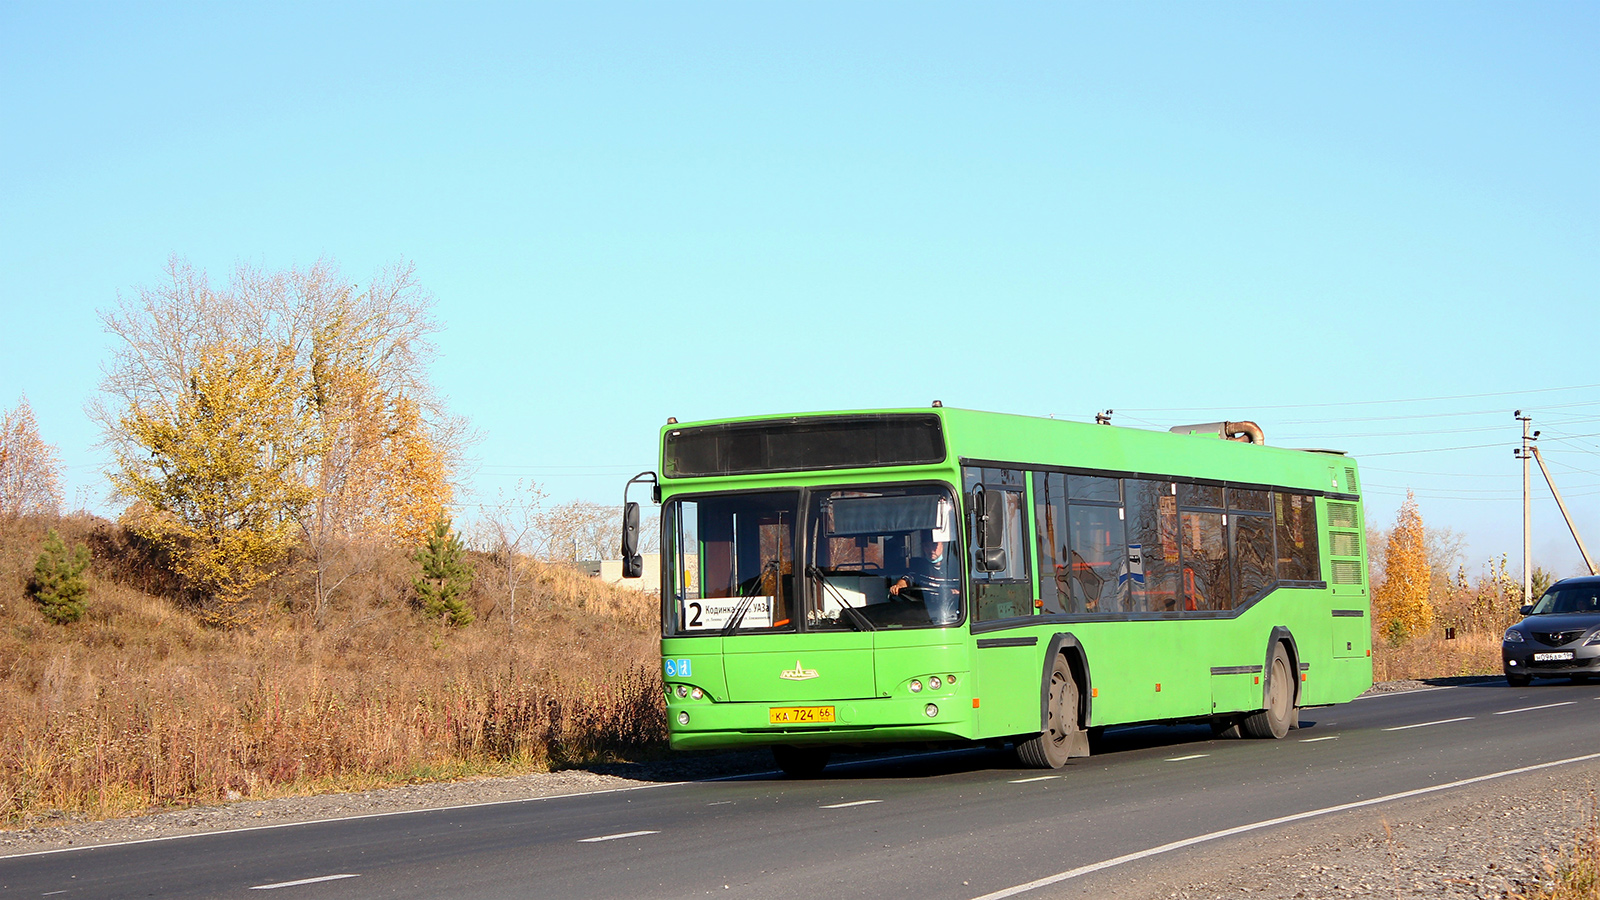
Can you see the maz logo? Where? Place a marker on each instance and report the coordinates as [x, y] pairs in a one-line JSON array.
[[797, 673]]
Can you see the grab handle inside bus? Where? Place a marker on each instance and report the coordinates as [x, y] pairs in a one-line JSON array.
[[990, 510]]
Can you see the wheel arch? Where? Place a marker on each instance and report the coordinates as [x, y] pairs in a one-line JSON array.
[[1066, 644], [1282, 635]]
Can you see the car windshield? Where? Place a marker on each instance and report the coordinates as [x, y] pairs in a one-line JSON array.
[[882, 558], [1571, 599], [730, 562]]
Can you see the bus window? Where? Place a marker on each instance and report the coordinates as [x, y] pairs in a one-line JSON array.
[[1250, 546], [1006, 593], [731, 562], [882, 558], [1295, 518], [1099, 559], [1050, 521], [1205, 562], [1152, 545]]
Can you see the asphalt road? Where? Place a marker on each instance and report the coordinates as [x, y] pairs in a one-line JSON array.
[[960, 824]]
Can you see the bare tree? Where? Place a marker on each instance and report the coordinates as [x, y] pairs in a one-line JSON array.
[[30, 472], [506, 530]]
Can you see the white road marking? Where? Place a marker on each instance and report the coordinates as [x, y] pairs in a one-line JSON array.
[[1507, 712], [851, 803], [282, 884], [51, 893], [1426, 724], [1330, 737], [1190, 756], [720, 803], [1267, 823], [1036, 778], [615, 837]]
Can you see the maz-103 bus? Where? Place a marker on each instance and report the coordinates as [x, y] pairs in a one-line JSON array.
[[946, 575]]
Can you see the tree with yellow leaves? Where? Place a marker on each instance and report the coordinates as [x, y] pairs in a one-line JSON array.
[[375, 448], [211, 475], [1400, 604]]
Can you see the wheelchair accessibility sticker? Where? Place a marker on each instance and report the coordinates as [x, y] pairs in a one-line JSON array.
[[677, 668]]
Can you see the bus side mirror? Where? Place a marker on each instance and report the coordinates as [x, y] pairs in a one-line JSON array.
[[991, 509], [632, 562]]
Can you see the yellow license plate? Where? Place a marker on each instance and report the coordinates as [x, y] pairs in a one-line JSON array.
[[790, 715]]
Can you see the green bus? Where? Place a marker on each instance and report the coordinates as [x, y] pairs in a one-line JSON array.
[[945, 575]]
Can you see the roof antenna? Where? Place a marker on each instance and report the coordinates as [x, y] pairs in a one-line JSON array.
[[1103, 418]]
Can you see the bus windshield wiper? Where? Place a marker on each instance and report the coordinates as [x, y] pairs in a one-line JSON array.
[[748, 598], [846, 612]]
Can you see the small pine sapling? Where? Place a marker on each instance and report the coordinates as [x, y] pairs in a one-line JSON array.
[[445, 576], [57, 584]]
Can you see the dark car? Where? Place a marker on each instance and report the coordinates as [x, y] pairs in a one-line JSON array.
[[1560, 638]]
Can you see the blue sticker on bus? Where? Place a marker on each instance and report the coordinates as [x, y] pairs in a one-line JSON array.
[[677, 668]]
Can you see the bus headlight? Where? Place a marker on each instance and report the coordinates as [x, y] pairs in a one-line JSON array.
[[683, 690], [697, 694], [935, 683], [916, 685], [932, 709], [683, 718]]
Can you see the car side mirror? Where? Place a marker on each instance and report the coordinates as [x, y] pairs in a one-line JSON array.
[[632, 562], [1526, 608]]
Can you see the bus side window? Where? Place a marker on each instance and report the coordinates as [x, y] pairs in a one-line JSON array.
[[1050, 521], [1008, 592], [1152, 511]]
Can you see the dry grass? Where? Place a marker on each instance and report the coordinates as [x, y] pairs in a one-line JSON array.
[[138, 706], [1577, 875], [1431, 656]]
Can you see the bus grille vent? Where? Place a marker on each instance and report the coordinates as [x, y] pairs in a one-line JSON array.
[[1350, 480], [1346, 571], [1342, 515], [1345, 543]]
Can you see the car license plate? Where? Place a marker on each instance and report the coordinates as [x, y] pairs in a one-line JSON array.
[[790, 715], [1552, 657]]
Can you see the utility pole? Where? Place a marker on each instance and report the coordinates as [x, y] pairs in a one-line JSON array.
[[1524, 454], [1571, 525]]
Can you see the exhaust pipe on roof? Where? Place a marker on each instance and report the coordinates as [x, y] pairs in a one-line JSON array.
[[1244, 432]]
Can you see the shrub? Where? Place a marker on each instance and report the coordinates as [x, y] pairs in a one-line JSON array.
[[57, 584]]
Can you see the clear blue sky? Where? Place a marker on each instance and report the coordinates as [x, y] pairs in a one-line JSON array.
[[628, 212]]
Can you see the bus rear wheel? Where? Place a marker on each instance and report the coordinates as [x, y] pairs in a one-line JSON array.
[[1274, 721], [1050, 749], [800, 762]]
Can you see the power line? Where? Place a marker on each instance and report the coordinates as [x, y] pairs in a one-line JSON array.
[[1576, 387]]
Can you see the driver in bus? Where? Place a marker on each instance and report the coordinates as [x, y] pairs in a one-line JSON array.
[[932, 575]]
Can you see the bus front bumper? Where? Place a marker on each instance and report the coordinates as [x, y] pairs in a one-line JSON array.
[[714, 725]]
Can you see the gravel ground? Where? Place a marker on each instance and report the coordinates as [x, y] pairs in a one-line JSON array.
[[1491, 839], [1480, 841]]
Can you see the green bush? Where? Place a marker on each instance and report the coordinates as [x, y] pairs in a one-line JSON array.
[[57, 584]]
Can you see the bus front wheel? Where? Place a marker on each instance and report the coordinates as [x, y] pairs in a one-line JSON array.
[[1274, 721], [1050, 749]]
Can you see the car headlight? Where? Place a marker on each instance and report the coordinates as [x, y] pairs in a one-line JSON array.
[[1513, 636]]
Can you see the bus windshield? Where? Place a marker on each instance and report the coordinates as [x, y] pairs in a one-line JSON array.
[[731, 562], [882, 558], [878, 557]]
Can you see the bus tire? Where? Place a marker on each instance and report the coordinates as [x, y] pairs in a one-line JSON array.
[[800, 762], [1050, 748], [1273, 721]]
